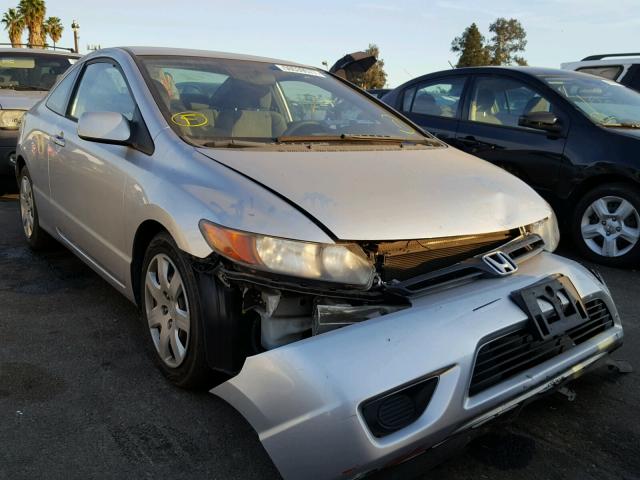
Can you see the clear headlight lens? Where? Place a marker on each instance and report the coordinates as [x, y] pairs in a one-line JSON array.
[[11, 119], [337, 263], [548, 231]]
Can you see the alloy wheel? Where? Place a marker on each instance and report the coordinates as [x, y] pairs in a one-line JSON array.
[[610, 226], [27, 206], [167, 310]]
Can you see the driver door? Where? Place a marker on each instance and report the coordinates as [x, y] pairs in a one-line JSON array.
[[489, 129], [88, 178]]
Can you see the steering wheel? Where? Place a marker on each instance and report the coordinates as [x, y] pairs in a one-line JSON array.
[[305, 127]]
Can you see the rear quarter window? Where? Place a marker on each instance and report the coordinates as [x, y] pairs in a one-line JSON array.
[[610, 71]]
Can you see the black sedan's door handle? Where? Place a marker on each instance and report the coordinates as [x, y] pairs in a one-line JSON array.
[[470, 141], [475, 144]]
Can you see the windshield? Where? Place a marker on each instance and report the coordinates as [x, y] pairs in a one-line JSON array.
[[209, 100], [604, 101], [19, 71]]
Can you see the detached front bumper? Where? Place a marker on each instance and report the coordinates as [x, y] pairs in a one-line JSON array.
[[305, 399]]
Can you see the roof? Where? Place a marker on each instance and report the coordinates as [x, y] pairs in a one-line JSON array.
[[39, 51], [528, 70], [534, 71], [616, 61], [168, 51], [609, 55]]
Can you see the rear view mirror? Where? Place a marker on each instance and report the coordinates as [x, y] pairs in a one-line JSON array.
[[547, 121], [104, 127]]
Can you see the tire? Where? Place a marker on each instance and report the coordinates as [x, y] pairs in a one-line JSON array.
[[36, 237], [173, 316], [605, 225]]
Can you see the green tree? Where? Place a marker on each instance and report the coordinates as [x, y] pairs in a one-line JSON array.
[[375, 77], [471, 48], [33, 12], [53, 27], [509, 39], [14, 25]]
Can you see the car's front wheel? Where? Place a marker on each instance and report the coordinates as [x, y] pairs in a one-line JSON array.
[[172, 312], [36, 237], [606, 225]]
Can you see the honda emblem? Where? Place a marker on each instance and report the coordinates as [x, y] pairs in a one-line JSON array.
[[500, 263]]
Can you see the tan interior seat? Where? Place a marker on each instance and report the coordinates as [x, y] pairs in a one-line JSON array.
[[482, 108], [247, 112]]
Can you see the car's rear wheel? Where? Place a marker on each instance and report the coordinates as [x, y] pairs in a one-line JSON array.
[[606, 225], [172, 312], [36, 237]]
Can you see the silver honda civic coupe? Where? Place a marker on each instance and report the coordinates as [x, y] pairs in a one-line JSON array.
[[358, 290]]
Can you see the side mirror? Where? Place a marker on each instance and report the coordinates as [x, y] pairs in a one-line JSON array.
[[104, 127], [547, 121]]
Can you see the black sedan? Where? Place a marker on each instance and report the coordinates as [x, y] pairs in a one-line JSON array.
[[574, 137]]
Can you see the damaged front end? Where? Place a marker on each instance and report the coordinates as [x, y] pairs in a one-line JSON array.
[[400, 378], [270, 309]]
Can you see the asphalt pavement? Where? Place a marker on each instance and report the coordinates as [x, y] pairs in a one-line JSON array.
[[81, 399]]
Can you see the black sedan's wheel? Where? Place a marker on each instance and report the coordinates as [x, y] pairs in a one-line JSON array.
[[606, 225], [36, 237], [172, 311]]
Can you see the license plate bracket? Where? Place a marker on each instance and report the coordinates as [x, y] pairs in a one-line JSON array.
[[553, 306]]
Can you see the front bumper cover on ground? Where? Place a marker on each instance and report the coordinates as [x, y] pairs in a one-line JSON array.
[[305, 399]]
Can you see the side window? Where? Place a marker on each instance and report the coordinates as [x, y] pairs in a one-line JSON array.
[[439, 97], [632, 77], [57, 100], [502, 101], [610, 71], [102, 89]]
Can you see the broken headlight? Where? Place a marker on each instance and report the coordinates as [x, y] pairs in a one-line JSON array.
[[548, 230], [337, 263]]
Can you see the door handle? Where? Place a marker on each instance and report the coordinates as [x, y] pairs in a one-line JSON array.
[[470, 140], [59, 139]]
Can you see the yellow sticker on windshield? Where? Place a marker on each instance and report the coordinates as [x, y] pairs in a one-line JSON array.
[[189, 119]]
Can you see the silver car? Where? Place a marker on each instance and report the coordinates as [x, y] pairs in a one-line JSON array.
[[25, 77], [358, 290]]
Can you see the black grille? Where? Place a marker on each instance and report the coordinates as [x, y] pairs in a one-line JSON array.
[[520, 350], [428, 258]]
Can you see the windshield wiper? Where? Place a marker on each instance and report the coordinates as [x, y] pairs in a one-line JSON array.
[[349, 138], [29, 87], [621, 125], [231, 143]]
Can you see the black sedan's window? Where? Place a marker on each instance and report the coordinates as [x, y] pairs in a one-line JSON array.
[[502, 101], [438, 97]]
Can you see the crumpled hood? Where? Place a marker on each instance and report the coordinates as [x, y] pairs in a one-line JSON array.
[[393, 194], [19, 99]]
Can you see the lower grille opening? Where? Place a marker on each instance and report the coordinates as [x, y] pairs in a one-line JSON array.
[[396, 409], [515, 352]]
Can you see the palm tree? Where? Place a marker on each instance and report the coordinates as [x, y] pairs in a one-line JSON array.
[[33, 12], [14, 25], [53, 27]]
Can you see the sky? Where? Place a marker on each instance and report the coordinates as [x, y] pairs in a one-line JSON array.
[[414, 36]]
